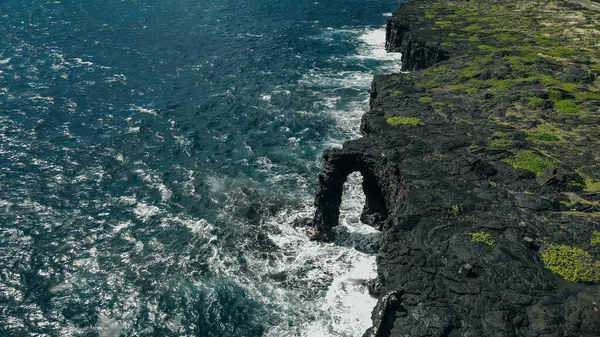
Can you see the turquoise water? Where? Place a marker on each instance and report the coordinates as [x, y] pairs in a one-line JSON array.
[[155, 155]]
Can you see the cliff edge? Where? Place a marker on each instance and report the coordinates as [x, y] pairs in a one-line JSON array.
[[481, 169]]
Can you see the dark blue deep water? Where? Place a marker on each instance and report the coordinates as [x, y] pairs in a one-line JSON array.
[[154, 155]]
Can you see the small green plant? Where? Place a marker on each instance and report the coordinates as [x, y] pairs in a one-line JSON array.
[[535, 103], [484, 237], [447, 44], [425, 99], [401, 120], [444, 24], [487, 48], [542, 136], [472, 28], [562, 52], [397, 93], [483, 59], [596, 66], [452, 34], [427, 84], [463, 88], [582, 96], [471, 71], [566, 106], [455, 210], [554, 95], [474, 38], [441, 69], [503, 37], [528, 161], [573, 264], [429, 15], [595, 240]]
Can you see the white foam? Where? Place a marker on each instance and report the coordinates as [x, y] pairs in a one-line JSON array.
[[144, 211], [134, 107]]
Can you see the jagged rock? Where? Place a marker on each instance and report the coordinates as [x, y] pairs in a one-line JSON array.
[[457, 212]]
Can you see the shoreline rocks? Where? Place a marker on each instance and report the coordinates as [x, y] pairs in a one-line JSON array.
[[474, 164]]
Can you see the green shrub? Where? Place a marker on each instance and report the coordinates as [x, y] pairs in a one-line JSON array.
[[425, 99], [426, 84], [582, 96], [472, 28], [454, 210], [554, 95], [471, 71], [447, 44], [528, 161], [397, 93], [484, 237], [562, 52], [566, 106], [463, 88], [487, 48], [542, 136], [444, 24], [535, 103], [401, 120], [483, 59], [441, 69], [503, 37], [596, 66], [573, 264], [595, 240]]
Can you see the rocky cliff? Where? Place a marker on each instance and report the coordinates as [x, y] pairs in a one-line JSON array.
[[481, 169]]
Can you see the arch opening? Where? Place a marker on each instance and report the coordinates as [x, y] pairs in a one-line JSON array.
[[329, 198]]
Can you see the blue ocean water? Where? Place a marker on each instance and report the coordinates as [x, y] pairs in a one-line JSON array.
[[155, 154]]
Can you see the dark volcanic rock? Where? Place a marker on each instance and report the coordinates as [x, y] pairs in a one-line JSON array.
[[418, 51], [470, 196]]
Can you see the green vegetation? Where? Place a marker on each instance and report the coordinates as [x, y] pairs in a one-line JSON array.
[[573, 264], [471, 71], [463, 88], [397, 93], [454, 210], [542, 136], [441, 69], [488, 49], [425, 99], [472, 28], [427, 84], [562, 52], [535, 103], [484, 237], [528, 161], [595, 240], [483, 59], [503, 37], [444, 24], [582, 96], [566, 106], [447, 44], [401, 120]]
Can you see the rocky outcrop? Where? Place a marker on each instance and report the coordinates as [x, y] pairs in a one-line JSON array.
[[417, 52], [467, 199]]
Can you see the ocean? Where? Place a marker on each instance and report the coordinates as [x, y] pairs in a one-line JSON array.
[[156, 154]]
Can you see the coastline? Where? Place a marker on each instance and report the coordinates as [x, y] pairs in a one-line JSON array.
[[480, 168]]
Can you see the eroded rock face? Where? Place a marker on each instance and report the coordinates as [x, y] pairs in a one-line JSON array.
[[418, 51], [462, 229]]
